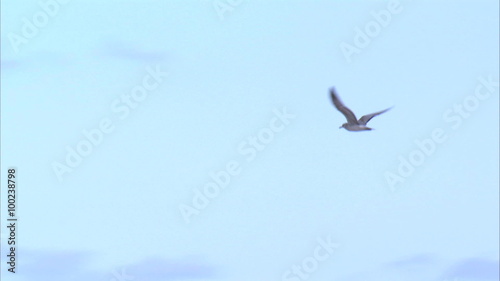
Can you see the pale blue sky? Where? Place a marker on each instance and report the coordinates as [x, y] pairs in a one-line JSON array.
[[222, 78]]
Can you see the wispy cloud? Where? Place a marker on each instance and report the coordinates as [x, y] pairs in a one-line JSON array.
[[132, 52], [161, 269], [474, 268], [9, 64], [412, 261], [79, 266], [431, 267]]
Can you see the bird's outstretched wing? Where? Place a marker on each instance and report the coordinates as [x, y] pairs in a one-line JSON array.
[[365, 118], [349, 115]]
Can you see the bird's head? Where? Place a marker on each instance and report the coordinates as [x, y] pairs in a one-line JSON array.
[[343, 126]]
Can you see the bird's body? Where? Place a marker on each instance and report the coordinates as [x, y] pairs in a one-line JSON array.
[[352, 124], [355, 128]]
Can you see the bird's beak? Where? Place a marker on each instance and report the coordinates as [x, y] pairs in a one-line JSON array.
[[340, 127]]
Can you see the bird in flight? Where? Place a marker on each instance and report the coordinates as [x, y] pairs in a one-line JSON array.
[[353, 124]]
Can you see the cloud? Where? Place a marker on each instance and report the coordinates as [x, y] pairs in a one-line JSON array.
[[429, 267], [416, 267], [54, 265], [9, 64], [128, 51], [78, 266], [474, 268], [413, 261], [161, 269]]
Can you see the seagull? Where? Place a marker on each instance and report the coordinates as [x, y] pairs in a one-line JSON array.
[[353, 124]]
